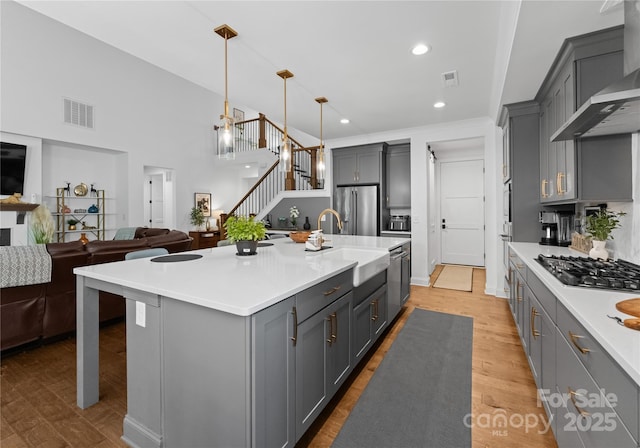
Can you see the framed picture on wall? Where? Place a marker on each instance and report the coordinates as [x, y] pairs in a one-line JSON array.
[[238, 116], [203, 201]]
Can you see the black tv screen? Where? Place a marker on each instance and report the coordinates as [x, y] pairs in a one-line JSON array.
[[12, 166]]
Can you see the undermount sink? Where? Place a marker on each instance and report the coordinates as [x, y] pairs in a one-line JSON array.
[[370, 261]]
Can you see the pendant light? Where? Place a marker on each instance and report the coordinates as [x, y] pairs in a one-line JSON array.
[[321, 167], [286, 155], [226, 141]]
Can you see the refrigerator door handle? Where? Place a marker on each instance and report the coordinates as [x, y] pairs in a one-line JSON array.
[[355, 212]]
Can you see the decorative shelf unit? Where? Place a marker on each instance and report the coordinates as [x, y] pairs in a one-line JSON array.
[[88, 223]]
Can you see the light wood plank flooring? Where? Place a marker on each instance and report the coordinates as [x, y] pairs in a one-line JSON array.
[[38, 387]]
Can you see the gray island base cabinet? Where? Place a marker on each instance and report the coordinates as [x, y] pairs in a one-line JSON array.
[[250, 369]]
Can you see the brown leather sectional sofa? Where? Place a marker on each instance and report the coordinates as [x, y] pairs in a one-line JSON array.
[[35, 314]]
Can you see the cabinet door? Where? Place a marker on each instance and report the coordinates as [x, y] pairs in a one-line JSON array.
[[368, 166], [311, 393], [378, 304], [339, 353], [566, 150], [399, 178], [361, 330], [545, 191], [344, 167], [274, 376], [506, 153]]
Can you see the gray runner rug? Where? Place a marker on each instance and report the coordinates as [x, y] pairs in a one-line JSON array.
[[421, 392]]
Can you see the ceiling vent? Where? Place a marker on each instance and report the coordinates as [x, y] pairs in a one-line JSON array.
[[450, 79], [78, 113]]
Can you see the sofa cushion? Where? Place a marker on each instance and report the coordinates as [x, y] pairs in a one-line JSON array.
[[106, 251], [173, 241], [142, 232], [59, 248]]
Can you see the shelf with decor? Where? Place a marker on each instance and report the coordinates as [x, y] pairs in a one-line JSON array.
[[78, 214]]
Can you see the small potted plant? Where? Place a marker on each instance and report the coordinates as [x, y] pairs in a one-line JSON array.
[[245, 231], [600, 226], [72, 223], [196, 217]]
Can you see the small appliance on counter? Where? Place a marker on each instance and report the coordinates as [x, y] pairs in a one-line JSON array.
[[557, 228], [400, 222], [549, 228]]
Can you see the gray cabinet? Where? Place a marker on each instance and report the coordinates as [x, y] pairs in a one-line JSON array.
[[574, 374], [520, 123], [370, 314], [323, 359], [398, 176], [358, 165], [273, 357], [584, 65]]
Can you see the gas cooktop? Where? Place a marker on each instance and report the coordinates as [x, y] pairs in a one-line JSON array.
[[589, 273]]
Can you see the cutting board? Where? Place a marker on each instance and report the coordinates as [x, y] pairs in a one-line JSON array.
[[629, 306]]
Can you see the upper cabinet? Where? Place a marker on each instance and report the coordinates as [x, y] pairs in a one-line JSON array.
[[584, 65], [398, 176], [358, 164]]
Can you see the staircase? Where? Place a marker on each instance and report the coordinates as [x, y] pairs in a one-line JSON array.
[[261, 134]]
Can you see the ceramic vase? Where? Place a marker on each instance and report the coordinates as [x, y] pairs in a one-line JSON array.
[[83, 238], [307, 224], [599, 250]]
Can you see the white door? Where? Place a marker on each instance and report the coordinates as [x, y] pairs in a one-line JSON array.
[[154, 200], [462, 212]]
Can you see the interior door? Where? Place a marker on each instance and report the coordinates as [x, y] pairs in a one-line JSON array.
[[154, 200], [462, 212]]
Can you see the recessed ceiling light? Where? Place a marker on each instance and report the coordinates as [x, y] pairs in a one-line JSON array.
[[438, 105], [420, 49], [344, 121], [247, 166]]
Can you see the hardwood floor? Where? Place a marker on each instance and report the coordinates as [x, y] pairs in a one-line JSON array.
[[38, 387]]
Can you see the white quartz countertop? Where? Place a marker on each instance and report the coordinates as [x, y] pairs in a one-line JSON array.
[[590, 307], [241, 285]]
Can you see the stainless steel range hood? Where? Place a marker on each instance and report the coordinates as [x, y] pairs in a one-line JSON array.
[[616, 108], [613, 110]]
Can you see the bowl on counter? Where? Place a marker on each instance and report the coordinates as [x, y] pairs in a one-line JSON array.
[[300, 236]]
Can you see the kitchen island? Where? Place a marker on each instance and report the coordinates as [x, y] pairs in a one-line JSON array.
[[227, 350]]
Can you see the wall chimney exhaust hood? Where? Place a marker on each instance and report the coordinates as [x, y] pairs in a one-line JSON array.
[[613, 110], [616, 108]]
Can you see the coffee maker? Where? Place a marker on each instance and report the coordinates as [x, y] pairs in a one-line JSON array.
[[557, 228], [549, 221]]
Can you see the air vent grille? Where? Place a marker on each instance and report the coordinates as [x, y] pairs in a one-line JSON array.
[[450, 79], [78, 113]]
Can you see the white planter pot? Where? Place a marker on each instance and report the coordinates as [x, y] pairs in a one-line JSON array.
[[599, 250]]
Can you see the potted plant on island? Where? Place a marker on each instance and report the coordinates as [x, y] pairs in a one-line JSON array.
[[599, 226], [196, 217], [245, 232]]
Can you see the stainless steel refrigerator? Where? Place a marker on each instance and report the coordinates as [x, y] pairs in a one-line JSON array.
[[359, 209]]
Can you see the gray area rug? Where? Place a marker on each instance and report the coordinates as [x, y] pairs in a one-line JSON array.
[[421, 391]]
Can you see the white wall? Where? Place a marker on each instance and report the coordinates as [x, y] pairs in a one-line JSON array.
[[422, 186]]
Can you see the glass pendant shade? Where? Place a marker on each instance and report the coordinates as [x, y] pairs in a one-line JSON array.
[[226, 139], [285, 154], [320, 168]]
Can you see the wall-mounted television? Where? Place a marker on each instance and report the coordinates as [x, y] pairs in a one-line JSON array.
[[13, 159]]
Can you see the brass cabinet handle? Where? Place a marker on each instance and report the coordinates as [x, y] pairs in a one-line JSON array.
[[535, 333], [574, 340], [519, 265], [518, 287], [375, 310], [332, 332], [572, 394], [295, 326], [334, 336], [330, 319], [332, 290], [559, 178], [543, 188], [504, 170]]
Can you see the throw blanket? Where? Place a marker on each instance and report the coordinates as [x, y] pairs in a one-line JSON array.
[[24, 265]]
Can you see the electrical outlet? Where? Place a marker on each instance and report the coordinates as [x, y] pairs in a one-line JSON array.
[[141, 314]]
